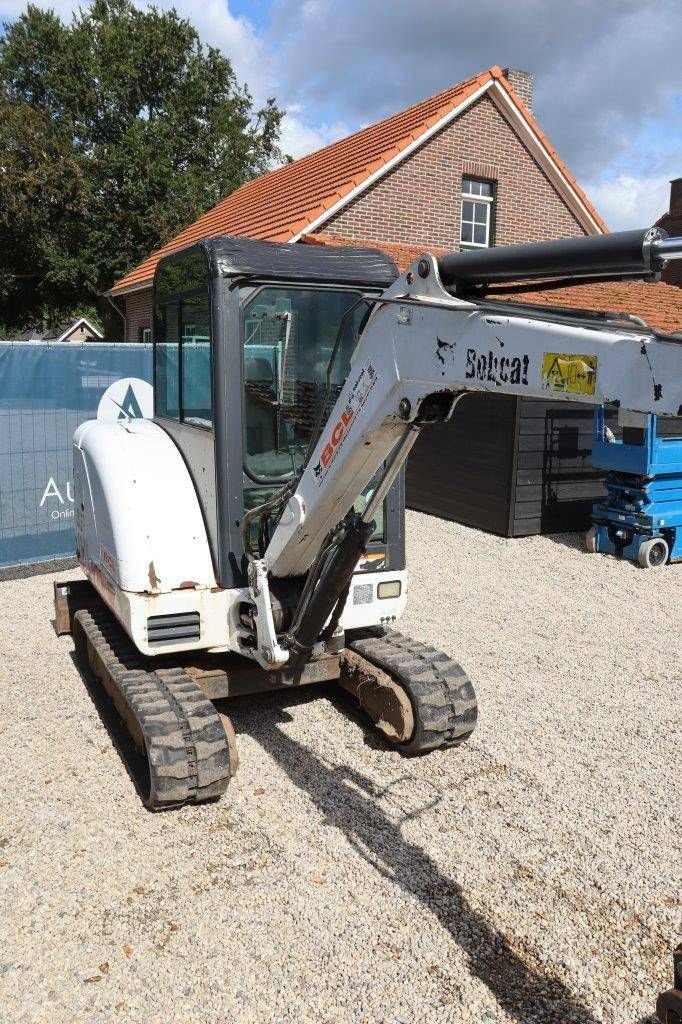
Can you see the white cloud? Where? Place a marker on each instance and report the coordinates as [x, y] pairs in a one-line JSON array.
[[627, 201], [299, 138]]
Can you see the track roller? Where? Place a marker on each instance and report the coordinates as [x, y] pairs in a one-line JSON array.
[[187, 756], [418, 698]]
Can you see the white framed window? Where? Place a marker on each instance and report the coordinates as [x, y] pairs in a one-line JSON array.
[[478, 202], [146, 335]]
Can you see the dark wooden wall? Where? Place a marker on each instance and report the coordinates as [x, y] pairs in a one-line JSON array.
[[462, 470], [555, 483], [508, 465]]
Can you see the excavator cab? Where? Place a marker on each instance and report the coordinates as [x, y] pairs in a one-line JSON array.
[[252, 344]]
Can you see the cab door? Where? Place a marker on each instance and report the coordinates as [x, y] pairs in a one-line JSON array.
[[183, 358]]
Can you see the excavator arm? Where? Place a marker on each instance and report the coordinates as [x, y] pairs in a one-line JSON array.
[[424, 346]]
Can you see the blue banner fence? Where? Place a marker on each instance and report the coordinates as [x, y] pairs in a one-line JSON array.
[[46, 390]]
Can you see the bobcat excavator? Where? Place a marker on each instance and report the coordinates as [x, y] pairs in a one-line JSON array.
[[250, 536]]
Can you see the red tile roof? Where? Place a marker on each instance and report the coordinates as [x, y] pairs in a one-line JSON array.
[[283, 203], [659, 304]]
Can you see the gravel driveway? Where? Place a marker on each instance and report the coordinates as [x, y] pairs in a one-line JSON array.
[[532, 875]]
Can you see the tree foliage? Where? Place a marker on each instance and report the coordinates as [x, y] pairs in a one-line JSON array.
[[116, 131]]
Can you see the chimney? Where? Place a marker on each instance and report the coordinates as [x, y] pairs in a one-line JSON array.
[[522, 84], [675, 194]]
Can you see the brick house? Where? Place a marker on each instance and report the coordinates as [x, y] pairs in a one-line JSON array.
[[672, 223], [467, 167]]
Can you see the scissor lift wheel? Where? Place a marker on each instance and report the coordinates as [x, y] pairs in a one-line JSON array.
[[653, 553]]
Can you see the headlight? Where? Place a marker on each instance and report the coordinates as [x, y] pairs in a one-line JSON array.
[[392, 589]]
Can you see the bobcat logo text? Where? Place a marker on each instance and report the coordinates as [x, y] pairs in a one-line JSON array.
[[497, 369], [360, 392]]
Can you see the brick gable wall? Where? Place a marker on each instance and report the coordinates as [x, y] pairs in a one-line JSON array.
[[138, 310], [672, 223], [418, 202]]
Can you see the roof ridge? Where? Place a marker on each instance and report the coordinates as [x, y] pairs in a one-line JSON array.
[[456, 87]]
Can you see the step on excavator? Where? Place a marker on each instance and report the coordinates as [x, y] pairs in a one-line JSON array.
[[250, 536]]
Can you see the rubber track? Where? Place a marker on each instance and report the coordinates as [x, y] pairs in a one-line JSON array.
[[184, 739], [442, 695]]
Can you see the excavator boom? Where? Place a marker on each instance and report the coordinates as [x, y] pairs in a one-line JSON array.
[[424, 348], [421, 350]]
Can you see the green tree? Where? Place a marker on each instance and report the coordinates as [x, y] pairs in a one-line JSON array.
[[116, 131]]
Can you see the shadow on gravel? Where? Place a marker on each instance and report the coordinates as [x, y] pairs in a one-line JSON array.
[[348, 801], [133, 762], [574, 541]]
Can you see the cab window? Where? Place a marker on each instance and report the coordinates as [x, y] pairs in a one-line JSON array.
[[182, 340], [288, 339]]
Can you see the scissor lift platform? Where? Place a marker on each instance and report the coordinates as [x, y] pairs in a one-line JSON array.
[[641, 516]]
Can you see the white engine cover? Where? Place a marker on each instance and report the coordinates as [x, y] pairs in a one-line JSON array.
[[141, 540], [138, 520]]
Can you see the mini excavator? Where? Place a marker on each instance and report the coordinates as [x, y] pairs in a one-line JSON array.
[[250, 536]]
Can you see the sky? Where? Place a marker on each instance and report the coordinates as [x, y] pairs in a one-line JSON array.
[[608, 74]]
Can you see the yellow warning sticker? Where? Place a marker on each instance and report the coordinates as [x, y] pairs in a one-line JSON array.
[[570, 373]]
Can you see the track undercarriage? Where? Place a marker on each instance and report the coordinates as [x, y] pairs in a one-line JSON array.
[[417, 698]]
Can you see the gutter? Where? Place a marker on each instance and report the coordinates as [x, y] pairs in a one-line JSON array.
[[140, 286]]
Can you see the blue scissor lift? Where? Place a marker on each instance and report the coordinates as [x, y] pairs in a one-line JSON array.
[[641, 516]]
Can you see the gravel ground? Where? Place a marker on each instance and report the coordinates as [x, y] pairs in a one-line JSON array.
[[532, 875]]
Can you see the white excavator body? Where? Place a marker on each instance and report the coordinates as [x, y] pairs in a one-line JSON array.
[[258, 517], [142, 542]]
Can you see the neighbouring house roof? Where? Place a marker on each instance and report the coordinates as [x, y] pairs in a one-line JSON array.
[[299, 197], [659, 304], [62, 331]]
